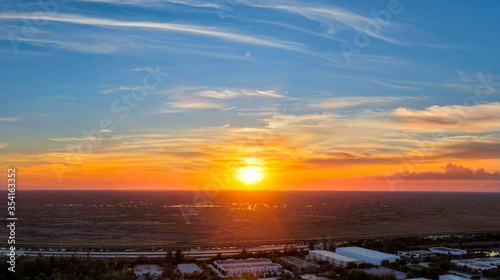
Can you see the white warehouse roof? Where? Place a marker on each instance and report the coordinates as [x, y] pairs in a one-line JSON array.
[[445, 250], [188, 268], [366, 255], [334, 255], [452, 277]]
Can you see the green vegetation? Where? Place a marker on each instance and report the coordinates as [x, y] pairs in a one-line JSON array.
[[53, 268], [73, 268], [57, 268]]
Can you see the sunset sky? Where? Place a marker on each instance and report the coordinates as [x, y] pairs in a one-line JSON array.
[[310, 95]]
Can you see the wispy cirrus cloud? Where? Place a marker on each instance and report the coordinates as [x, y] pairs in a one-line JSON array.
[[480, 117], [157, 26], [309, 120], [231, 93], [9, 119], [327, 15], [87, 44], [124, 43], [72, 139], [395, 86], [341, 102], [194, 104], [211, 98], [154, 3], [122, 88]]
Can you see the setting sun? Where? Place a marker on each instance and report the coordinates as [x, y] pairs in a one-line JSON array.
[[250, 174]]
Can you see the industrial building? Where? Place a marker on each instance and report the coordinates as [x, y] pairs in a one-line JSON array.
[[188, 268], [381, 271], [447, 251], [153, 270], [254, 266], [492, 261], [366, 255], [478, 263], [333, 258], [452, 277], [416, 254]]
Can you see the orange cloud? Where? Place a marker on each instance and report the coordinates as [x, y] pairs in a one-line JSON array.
[[476, 118]]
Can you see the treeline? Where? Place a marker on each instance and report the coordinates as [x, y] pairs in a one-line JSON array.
[[392, 245], [353, 271], [68, 268], [81, 268]]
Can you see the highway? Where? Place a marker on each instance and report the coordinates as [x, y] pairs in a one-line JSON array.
[[193, 254]]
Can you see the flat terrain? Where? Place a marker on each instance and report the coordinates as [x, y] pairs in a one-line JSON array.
[[111, 217]]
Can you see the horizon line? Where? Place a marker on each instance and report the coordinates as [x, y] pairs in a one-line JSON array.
[[257, 190]]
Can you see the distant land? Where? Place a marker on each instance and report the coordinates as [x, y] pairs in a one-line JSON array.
[[162, 217]]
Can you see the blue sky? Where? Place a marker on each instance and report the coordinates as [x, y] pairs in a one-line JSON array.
[[252, 65]]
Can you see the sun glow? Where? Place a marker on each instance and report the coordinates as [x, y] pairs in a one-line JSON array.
[[250, 174]]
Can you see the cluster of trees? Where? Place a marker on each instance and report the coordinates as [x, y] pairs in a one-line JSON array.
[[433, 271], [72, 268], [351, 271], [492, 273], [358, 274], [77, 268], [355, 272], [392, 245]]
